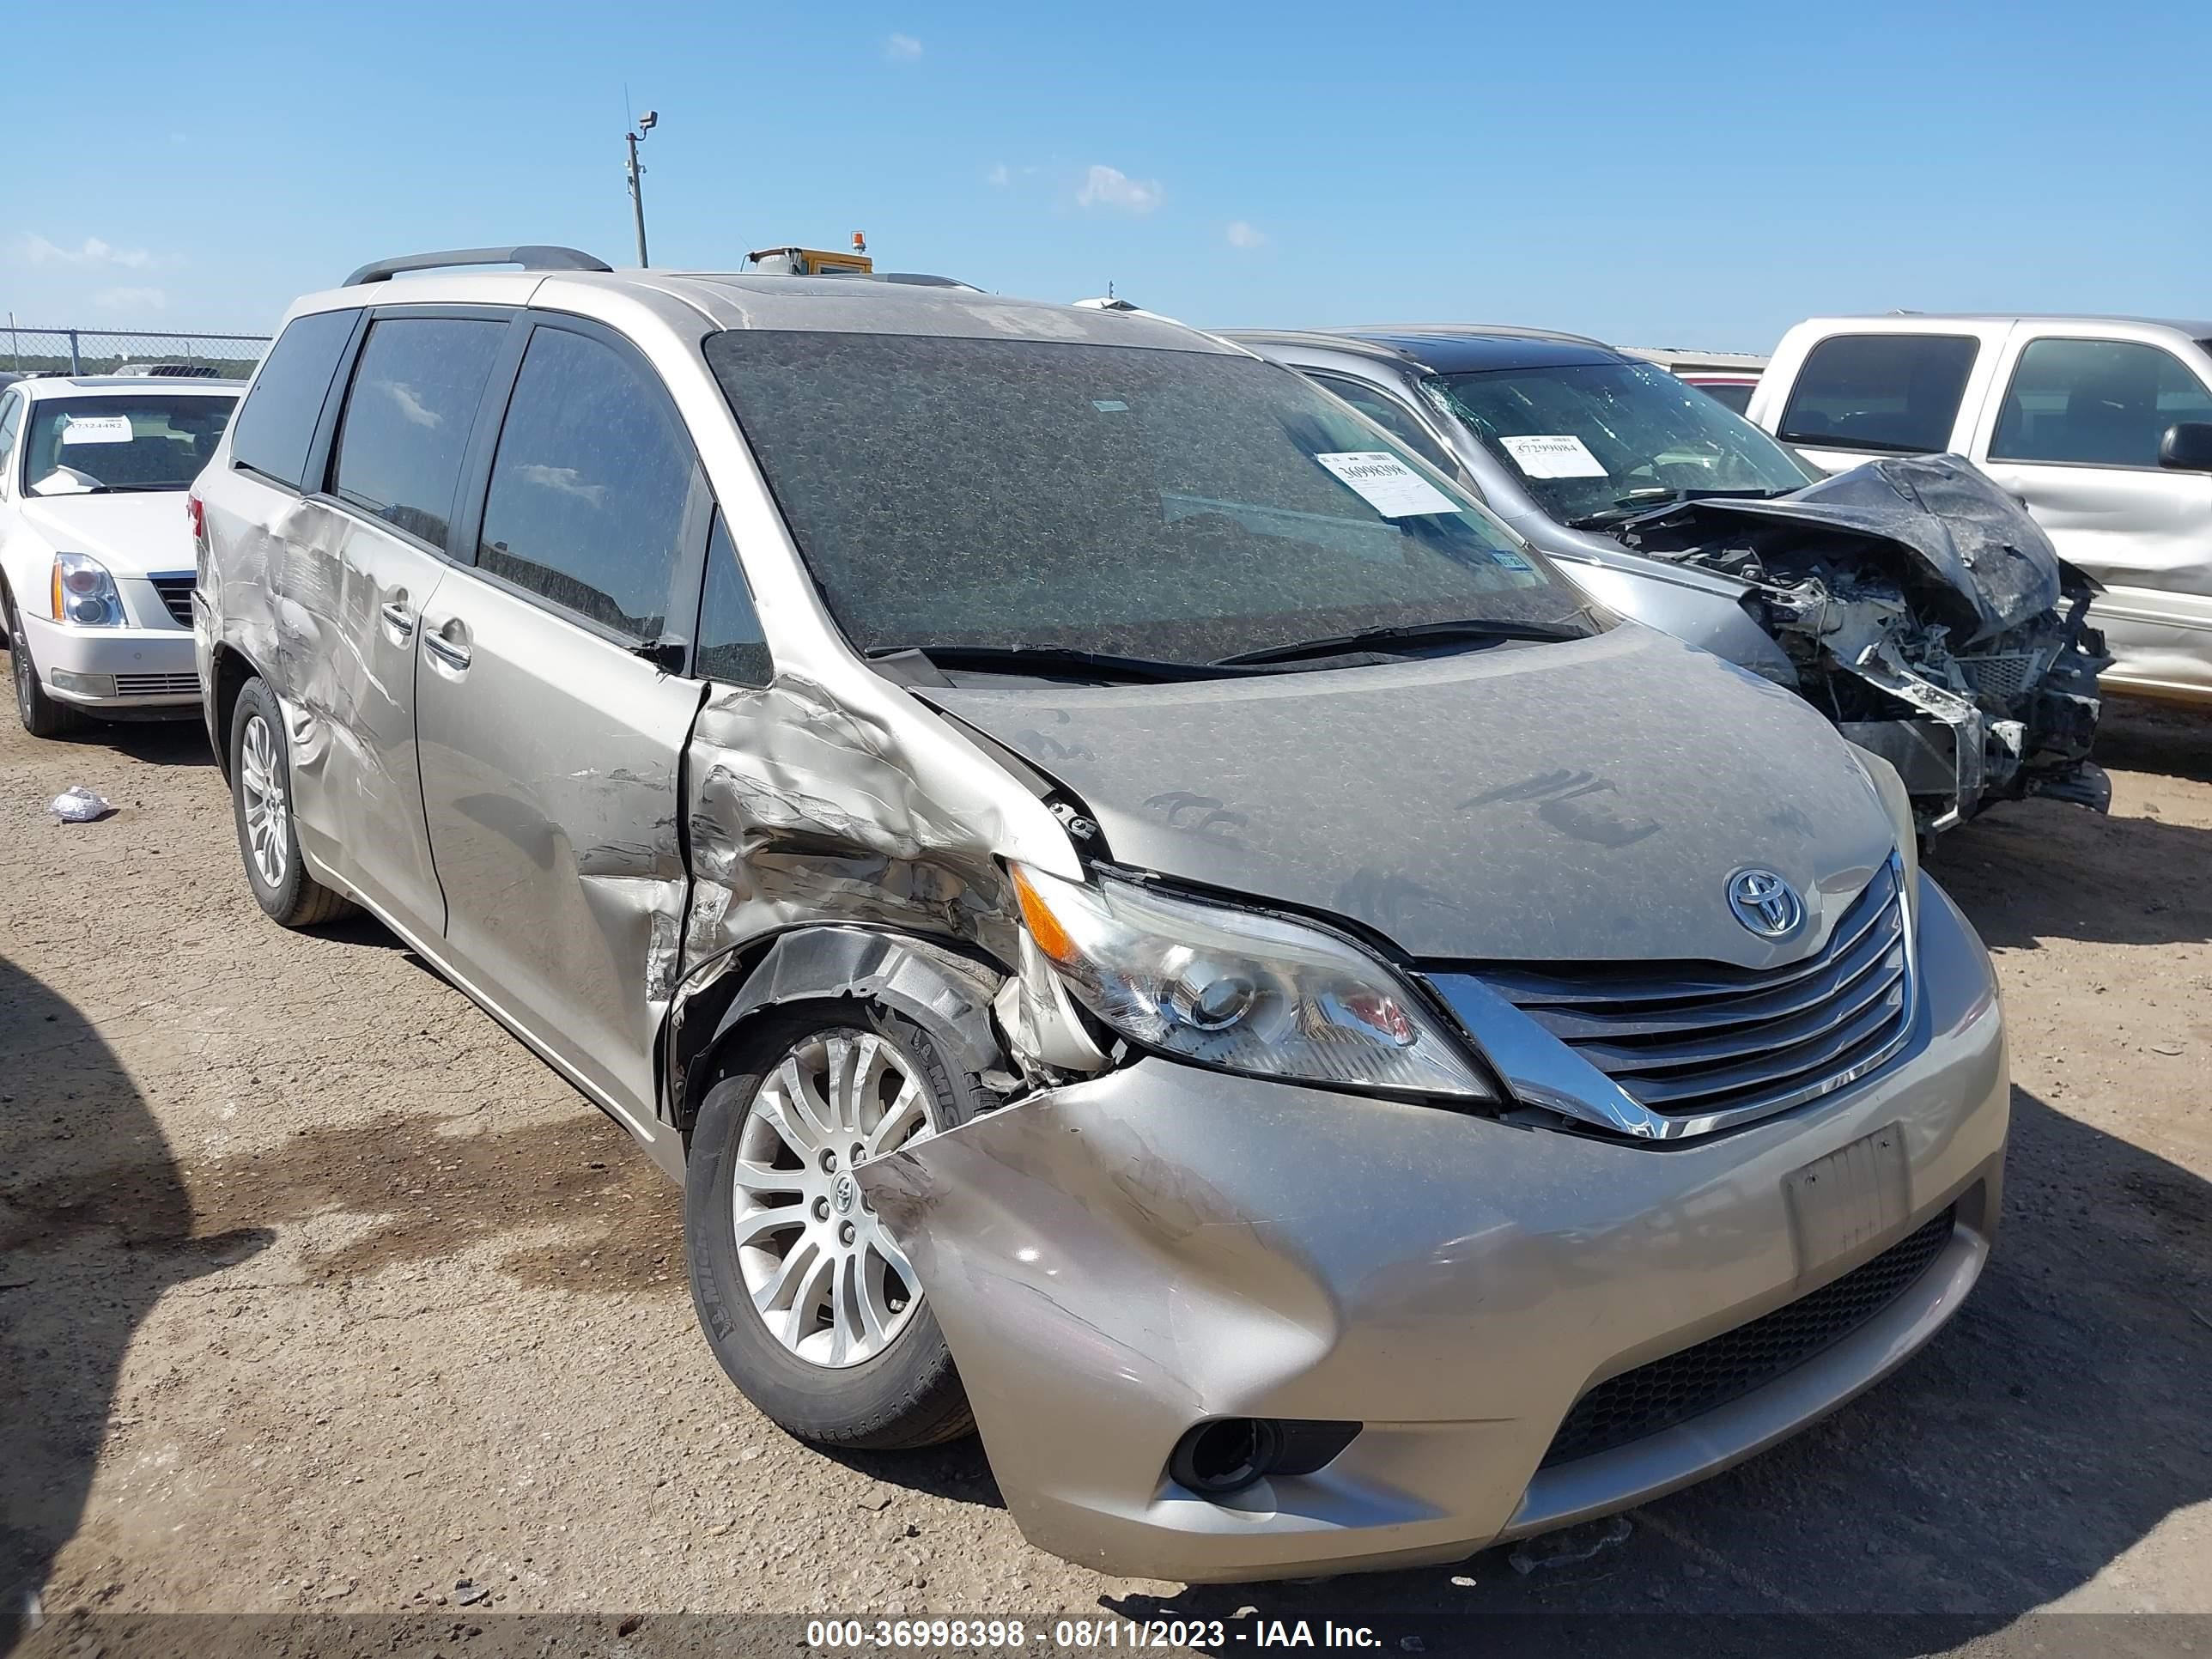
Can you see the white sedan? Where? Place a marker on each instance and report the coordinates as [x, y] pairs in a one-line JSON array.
[[97, 558]]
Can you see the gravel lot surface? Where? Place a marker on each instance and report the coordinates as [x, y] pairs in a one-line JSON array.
[[320, 1294]]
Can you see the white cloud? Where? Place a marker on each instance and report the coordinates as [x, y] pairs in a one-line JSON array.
[[901, 48], [1000, 176], [1110, 187], [1242, 233], [411, 405], [566, 480], [39, 251], [136, 300]]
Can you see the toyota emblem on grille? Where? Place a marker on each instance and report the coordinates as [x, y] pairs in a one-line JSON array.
[[1766, 903]]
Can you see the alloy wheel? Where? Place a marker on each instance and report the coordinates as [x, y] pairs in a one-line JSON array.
[[261, 787], [830, 1284]]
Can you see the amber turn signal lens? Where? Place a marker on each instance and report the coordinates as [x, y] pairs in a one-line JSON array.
[[1044, 928]]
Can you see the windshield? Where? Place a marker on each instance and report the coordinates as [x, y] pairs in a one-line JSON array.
[[1602, 441], [1176, 506], [78, 445]]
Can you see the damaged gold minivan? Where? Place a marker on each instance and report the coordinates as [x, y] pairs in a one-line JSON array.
[[1144, 921]]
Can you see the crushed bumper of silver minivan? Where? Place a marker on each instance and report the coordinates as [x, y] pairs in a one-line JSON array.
[[1928, 615], [1416, 1298]]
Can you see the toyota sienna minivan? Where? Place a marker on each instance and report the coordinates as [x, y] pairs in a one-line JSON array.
[[1144, 921]]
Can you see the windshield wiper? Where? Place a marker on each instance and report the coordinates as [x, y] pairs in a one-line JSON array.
[[1381, 639], [1049, 660], [1638, 502]]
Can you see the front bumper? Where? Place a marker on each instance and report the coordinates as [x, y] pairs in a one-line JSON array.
[[150, 668], [1131, 1255]]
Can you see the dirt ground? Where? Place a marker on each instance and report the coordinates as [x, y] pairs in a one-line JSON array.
[[319, 1294]]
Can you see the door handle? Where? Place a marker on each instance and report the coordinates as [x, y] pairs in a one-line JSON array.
[[453, 655], [400, 618]]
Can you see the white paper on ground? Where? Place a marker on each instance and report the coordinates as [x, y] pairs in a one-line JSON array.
[[1387, 483], [96, 429], [1562, 456]]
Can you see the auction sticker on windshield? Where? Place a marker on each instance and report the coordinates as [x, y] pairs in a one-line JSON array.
[[1562, 455], [97, 429], [1387, 483]]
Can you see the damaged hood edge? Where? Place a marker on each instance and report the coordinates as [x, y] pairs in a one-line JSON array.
[[1954, 525]]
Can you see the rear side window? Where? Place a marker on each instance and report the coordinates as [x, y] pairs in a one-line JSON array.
[[1386, 412], [407, 415], [1887, 392], [1728, 394], [590, 488], [277, 423], [731, 644], [2094, 402]]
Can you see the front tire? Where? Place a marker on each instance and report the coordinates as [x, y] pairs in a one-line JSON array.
[[42, 716], [807, 1301], [261, 804]]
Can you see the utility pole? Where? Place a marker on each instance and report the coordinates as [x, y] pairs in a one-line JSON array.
[[646, 123]]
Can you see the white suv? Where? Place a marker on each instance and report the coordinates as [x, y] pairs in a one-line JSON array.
[[2102, 425], [95, 546]]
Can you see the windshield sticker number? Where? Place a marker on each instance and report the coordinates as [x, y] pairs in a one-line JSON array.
[[97, 429], [1507, 557], [1387, 483], [1563, 456]]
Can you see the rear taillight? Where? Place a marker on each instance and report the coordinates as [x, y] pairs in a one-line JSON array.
[[198, 513]]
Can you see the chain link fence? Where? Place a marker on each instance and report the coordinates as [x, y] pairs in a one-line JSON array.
[[105, 350]]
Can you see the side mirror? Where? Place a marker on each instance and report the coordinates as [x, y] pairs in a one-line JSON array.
[[2187, 446]]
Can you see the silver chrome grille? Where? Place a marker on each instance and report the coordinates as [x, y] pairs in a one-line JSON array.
[[1721, 1045], [156, 685], [176, 593]]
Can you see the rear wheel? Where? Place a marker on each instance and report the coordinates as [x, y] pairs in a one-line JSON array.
[[261, 802], [42, 716], [805, 1298]]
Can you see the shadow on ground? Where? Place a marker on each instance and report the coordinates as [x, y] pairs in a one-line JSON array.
[[76, 1140], [2026, 872], [2164, 739], [150, 743], [435, 1187]]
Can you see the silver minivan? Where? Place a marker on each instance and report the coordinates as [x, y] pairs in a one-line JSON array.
[[1144, 921]]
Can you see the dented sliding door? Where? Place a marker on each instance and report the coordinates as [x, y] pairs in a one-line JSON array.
[[549, 776]]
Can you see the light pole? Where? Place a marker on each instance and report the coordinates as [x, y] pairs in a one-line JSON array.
[[646, 123]]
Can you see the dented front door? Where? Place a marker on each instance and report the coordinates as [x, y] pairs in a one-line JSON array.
[[549, 779]]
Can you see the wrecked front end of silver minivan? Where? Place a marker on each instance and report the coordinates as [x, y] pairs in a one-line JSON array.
[[1611, 1195], [1928, 615], [1416, 1060]]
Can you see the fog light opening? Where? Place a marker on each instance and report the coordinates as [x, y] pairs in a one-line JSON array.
[[1222, 1458]]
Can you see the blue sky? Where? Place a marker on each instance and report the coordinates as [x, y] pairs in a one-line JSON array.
[[1659, 174]]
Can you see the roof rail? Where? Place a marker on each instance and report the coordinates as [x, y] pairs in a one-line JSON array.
[[531, 256]]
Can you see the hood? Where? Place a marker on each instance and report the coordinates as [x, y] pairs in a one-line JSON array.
[[139, 533], [1556, 802], [1983, 563]]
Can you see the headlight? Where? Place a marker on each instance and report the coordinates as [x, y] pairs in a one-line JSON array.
[[1241, 991], [84, 593], [1897, 801]]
